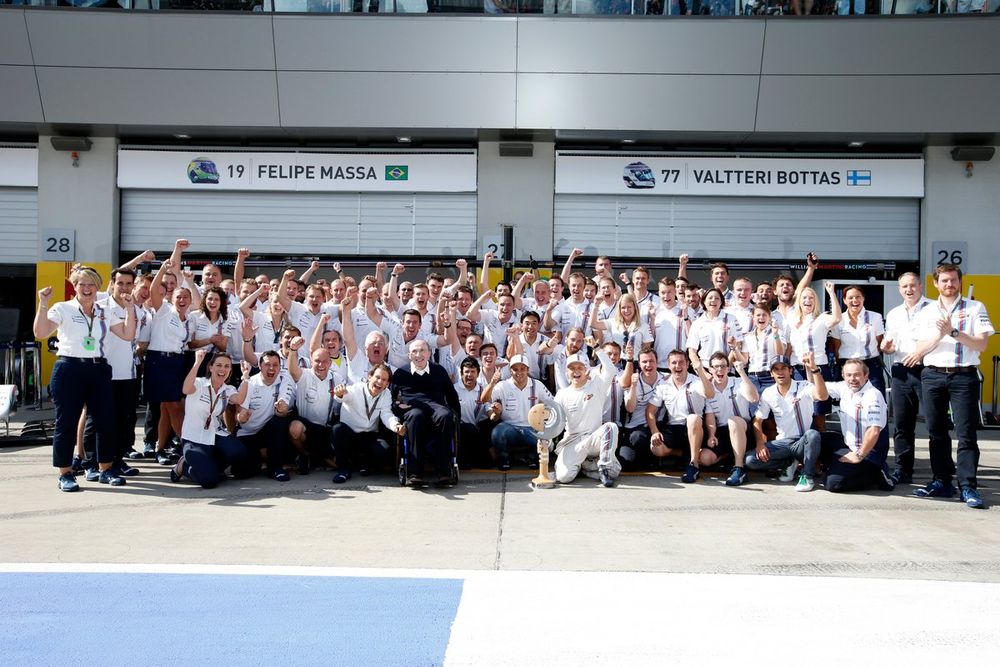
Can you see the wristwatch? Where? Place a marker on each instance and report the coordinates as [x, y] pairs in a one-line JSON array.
[[813, 370], [954, 332]]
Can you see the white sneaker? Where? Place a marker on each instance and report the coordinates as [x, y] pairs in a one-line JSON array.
[[805, 484], [790, 471]]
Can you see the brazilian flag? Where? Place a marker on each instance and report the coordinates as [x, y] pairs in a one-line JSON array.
[[397, 172]]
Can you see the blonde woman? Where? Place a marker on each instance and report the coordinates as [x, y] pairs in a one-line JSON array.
[[82, 376]]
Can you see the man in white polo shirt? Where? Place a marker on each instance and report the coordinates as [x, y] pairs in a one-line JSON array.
[[952, 333], [791, 402], [511, 399]]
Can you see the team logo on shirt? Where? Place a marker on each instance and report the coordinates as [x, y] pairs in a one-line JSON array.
[[638, 176], [397, 172], [202, 170]]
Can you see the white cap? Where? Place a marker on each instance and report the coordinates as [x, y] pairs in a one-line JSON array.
[[578, 358], [519, 359]]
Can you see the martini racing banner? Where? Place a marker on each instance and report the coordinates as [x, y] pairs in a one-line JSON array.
[[739, 176], [19, 166], [306, 172]]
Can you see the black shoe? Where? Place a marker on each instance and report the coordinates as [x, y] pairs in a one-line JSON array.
[[125, 470], [885, 481], [111, 476], [302, 461], [165, 459], [900, 476], [175, 477], [606, 478], [77, 465], [341, 477], [92, 474], [278, 475], [133, 454], [415, 481], [149, 450]]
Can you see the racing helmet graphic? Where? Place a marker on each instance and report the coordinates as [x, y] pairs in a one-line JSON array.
[[202, 170], [638, 175]]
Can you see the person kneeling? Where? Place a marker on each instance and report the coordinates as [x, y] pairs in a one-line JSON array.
[[355, 438], [208, 447], [857, 461], [791, 401], [589, 444]]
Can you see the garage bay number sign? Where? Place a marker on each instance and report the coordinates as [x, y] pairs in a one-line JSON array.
[[588, 173], [306, 171]]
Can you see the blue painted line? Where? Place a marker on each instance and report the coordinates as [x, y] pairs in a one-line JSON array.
[[206, 619]]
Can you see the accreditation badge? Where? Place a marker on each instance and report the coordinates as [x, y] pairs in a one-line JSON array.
[[89, 344]]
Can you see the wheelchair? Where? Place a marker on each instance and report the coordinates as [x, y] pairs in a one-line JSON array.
[[402, 450]]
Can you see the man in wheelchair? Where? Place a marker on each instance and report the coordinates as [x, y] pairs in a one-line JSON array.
[[426, 403]]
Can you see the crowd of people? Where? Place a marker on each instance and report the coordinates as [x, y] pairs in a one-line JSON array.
[[283, 375]]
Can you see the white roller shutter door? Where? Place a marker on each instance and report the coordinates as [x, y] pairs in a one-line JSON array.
[[738, 227], [301, 223], [18, 225]]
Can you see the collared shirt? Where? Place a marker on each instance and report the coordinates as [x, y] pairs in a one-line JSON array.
[[644, 391], [763, 347], [614, 400], [261, 398], [859, 341], [680, 401], [121, 353], [859, 411], [793, 412], [729, 401], [516, 401], [709, 336], [966, 315], [809, 336], [670, 332], [75, 325], [900, 328], [361, 411], [314, 397], [205, 404], [473, 409], [569, 314], [168, 333], [744, 316], [420, 371]]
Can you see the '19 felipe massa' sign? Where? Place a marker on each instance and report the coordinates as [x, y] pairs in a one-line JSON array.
[[739, 176], [309, 172]]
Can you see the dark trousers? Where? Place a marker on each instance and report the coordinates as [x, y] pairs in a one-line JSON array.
[[364, 450], [151, 422], [843, 477], [430, 428], [75, 385], [123, 399], [961, 392], [273, 439], [905, 406], [205, 463], [474, 444]]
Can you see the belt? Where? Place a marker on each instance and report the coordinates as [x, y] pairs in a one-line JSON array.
[[165, 354], [953, 370], [760, 374], [85, 360], [915, 367]]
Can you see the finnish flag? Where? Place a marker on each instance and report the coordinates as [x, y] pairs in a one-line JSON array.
[[855, 177]]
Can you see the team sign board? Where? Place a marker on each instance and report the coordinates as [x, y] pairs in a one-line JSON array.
[[739, 176], [307, 172], [19, 166]]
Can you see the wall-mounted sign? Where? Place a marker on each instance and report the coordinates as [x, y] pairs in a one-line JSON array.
[[57, 245], [19, 166], [738, 176], [307, 172]]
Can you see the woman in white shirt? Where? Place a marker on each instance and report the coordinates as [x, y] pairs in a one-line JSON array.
[[807, 330], [859, 335], [356, 438], [171, 329], [624, 326], [211, 324], [764, 344], [209, 447], [82, 376], [714, 330]]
